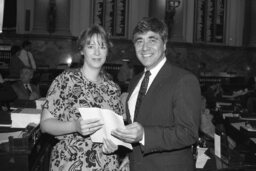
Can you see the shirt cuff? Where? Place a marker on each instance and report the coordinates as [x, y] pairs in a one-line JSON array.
[[142, 142]]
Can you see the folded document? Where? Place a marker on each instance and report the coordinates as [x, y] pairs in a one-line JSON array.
[[111, 121]]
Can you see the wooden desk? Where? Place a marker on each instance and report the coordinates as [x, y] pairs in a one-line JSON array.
[[33, 157], [215, 163], [243, 155], [30, 152], [234, 162], [245, 145], [237, 126]]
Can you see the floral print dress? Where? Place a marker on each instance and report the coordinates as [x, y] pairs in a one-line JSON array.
[[67, 92]]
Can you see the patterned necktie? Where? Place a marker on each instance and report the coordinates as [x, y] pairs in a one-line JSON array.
[[27, 88], [142, 92]]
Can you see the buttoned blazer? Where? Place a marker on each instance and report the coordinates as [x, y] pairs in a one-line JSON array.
[[170, 115]]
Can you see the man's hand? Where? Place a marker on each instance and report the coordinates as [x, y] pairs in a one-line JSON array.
[[131, 133], [125, 164]]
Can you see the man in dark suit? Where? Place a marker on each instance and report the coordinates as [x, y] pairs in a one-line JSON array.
[[165, 125], [26, 91]]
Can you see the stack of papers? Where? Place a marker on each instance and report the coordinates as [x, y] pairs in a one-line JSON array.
[[22, 117], [233, 115], [111, 121]]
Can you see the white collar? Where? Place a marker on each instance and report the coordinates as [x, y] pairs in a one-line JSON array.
[[157, 68]]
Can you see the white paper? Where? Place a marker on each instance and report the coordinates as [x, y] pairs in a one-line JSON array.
[[217, 145], [22, 117], [224, 115], [1, 15], [111, 121], [5, 125], [201, 158], [40, 102]]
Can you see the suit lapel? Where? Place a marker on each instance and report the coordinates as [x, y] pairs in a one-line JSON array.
[[162, 75], [156, 85]]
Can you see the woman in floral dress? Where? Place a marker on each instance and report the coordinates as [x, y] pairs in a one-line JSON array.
[[83, 87]]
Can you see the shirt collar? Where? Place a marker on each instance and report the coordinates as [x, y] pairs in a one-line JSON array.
[[157, 68]]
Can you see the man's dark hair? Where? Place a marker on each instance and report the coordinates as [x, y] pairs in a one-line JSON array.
[[15, 49], [26, 43], [154, 25]]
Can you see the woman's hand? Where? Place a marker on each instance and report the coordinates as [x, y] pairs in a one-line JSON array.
[[132, 133], [108, 146], [88, 127]]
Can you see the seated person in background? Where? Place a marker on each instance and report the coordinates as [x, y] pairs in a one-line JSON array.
[[212, 94], [15, 63], [26, 56], [125, 74], [206, 126], [251, 99], [7, 94], [23, 88], [247, 96], [21, 57]]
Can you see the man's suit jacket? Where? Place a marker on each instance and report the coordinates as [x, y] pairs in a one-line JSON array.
[[15, 67], [21, 92], [7, 94], [170, 115]]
